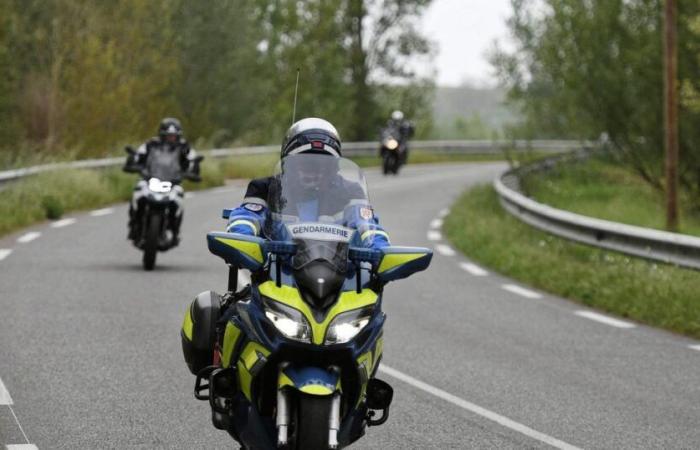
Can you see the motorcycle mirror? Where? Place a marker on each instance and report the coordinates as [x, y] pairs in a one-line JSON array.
[[402, 262], [130, 150], [240, 250]]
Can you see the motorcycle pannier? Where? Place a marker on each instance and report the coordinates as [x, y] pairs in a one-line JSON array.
[[199, 330]]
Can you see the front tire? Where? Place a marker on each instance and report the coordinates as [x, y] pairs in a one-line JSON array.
[[313, 414], [387, 165], [150, 247]]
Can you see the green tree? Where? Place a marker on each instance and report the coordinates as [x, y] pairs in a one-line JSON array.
[[585, 68]]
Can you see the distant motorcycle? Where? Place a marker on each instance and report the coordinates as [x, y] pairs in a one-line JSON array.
[[158, 198], [392, 151], [291, 361]]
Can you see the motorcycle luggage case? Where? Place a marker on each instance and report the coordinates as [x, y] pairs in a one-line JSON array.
[[198, 331]]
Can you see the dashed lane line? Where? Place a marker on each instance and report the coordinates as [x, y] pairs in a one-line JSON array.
[[521, 291], [63, 223], [443, 213], [189, 194], [473, 269], [434, 235], [445, 250], [28, 237], [604, 319], [4, 253], [5, 398], [476, 409], [102, 212], [21, 447], [694, 347], [436, 224]]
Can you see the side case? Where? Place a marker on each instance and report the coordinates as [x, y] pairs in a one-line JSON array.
[[199, 330]]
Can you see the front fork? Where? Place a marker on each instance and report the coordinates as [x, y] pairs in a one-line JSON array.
[[313, 381]]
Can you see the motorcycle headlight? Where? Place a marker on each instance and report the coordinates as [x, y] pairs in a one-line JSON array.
[[155, 185], [391, 144], [288, 321], [347, 325]]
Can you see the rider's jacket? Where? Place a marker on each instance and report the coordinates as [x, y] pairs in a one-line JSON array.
[[251, 216], [186, 154], [404, 128]]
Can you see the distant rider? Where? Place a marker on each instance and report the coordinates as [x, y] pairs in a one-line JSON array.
[[311, 136], [168, 146], [403, 129]]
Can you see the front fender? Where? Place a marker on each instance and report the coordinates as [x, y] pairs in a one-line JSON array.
[[309, 380]]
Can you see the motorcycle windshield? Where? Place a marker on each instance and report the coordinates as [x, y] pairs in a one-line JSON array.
[[164, 164], [312, 202]]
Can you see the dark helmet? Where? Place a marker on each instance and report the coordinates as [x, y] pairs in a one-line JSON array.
[[311, 135], [169, 125]]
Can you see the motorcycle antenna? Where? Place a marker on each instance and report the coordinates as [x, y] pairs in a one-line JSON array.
[[296, 91]]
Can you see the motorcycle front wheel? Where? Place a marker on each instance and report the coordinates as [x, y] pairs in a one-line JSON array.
[[387, 165], [313, 414], [150, 247]]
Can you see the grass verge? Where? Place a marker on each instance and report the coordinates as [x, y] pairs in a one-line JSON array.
[[52, 194], [656, 294]]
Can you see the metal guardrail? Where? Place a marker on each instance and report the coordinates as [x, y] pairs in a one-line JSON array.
[[672, 248], [349, 149]]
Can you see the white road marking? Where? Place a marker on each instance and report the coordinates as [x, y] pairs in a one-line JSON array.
[[476, 409], [5, 398], [445, 250], [63, 223], [28, 237], [4, 253], [473, 269], [189, 194], [605, 319], [102, 212], [436, 223], [443, 212], [434, 235], [22, 447], [694, 347], [521, 291]]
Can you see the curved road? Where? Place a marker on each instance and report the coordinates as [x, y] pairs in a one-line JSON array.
[[90, 353]]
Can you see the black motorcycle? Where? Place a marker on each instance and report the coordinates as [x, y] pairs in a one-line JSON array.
[[392, 151], [158, 202]]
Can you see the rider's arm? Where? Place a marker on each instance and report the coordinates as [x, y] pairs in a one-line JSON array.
[[371, 233], [249, 218], [141, 154], [188, 157]]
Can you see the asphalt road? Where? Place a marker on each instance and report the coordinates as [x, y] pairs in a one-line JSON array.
[[90, 352]]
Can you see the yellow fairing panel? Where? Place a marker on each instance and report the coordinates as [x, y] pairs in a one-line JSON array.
[[397, 259], [231, 336], [251, 249], [290, 296], [249, 356]]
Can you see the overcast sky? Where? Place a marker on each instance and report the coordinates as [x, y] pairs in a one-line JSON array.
[[464, 31]]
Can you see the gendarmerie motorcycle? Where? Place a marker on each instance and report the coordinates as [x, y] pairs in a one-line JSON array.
[[158, 200], [291, 360], [392, 150]]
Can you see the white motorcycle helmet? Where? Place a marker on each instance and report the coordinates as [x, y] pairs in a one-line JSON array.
[[397, 116]]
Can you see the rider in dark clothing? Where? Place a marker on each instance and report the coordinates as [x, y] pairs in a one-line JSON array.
[[166, 156], [404, 130]]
